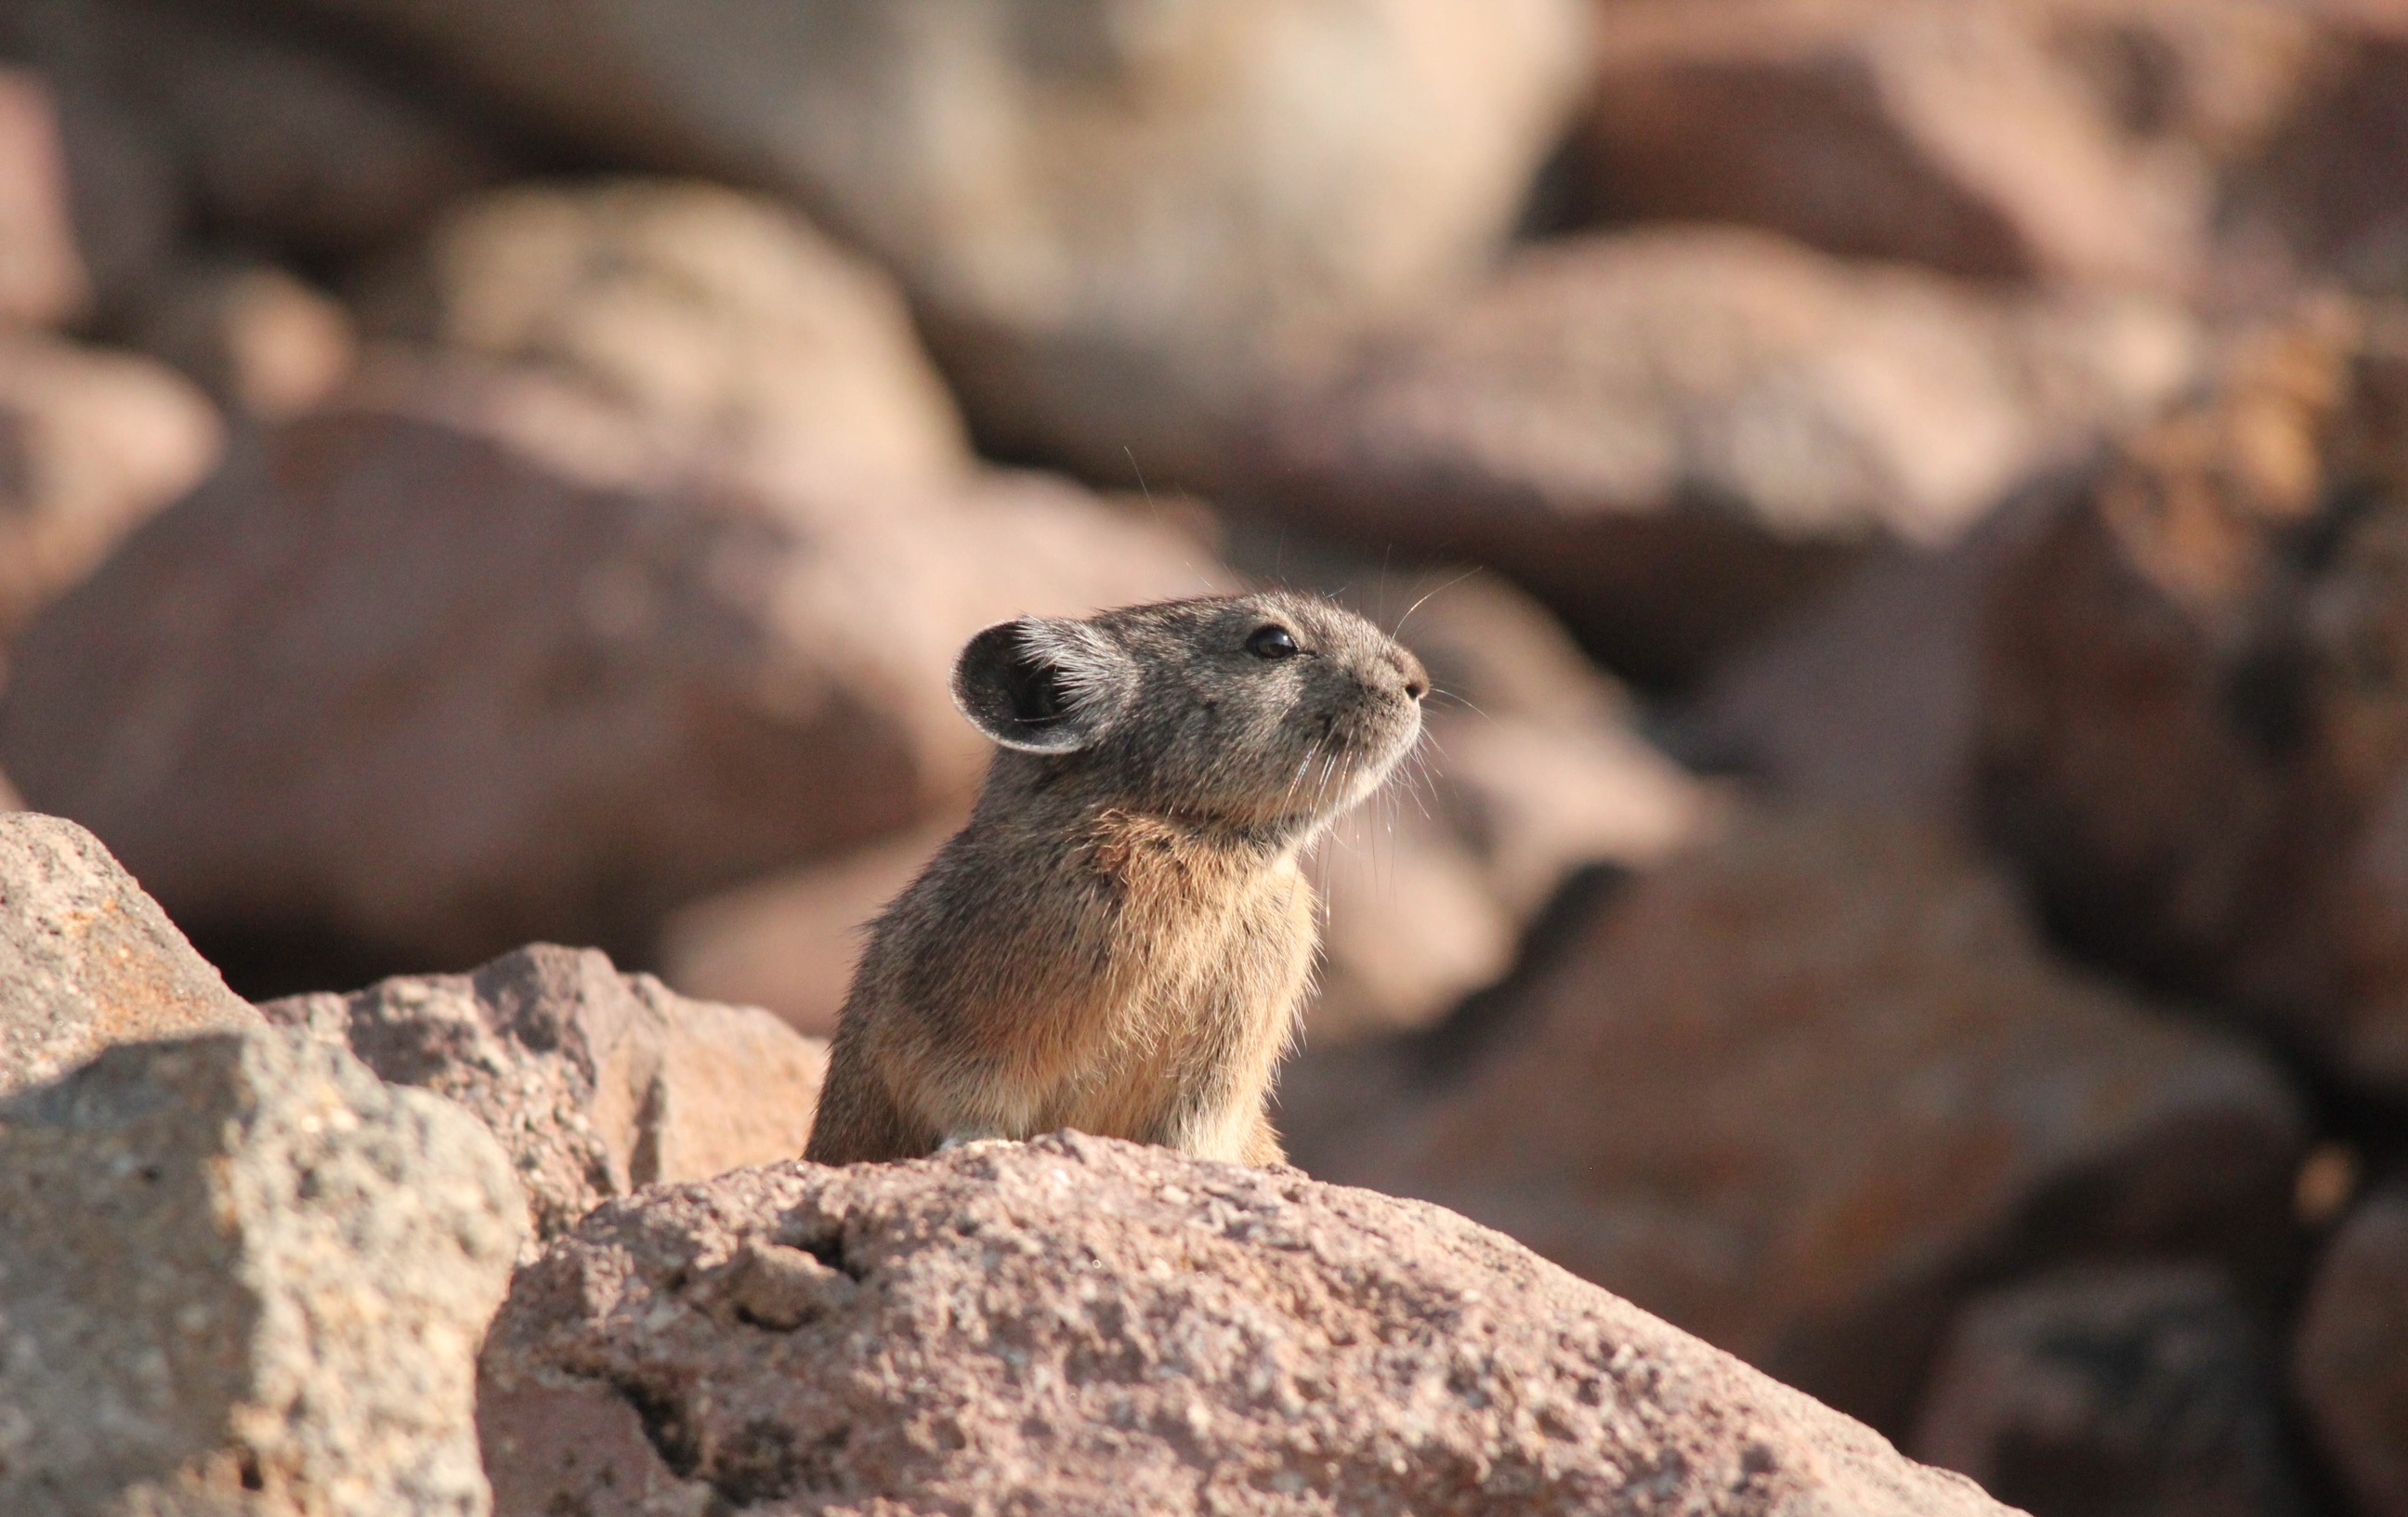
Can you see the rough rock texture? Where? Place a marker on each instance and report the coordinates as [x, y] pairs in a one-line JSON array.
[[94, 443], [262, 702], [262, 341], [2349, 1365], [1668, 433], [2194, 721], [1531, 769], [2132, 1391], [242, 1277], [1118, 218], [42, 277], [723, 316], [2068, 139], [1075, 1325], [595, 1082], [86, 959], [1634, 1106]]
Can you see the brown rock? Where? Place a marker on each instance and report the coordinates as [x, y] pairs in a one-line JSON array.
[[265, 138], [1117, 222], [2027, 140], [725, 317], [242, 1277], [86, 959], [1075, 1325], [91, 443], [263, 343], [595, 1082], [2349, 1365], [1670, 434], [460, 663], [1637, 1113], [2194, 733], [2131, 1391], [43, 281]]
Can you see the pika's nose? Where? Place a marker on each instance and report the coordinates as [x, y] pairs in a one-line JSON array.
[[1416, 679]]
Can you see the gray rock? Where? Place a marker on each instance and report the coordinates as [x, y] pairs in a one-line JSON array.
[[241, 1276], [1080, 1325], [2113, 1391], [595, 1082], [87, 960]]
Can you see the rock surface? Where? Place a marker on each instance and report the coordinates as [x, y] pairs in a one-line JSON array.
[[1117, 219], [264, 705], [1633, 1109], [723, 318], [1078, 1324], [240, 1276], [88, 961], [2016, 140], [2194, 727], [2131, 1391], [1668, 433], [2349, 1365], [43, 281], [95, 443], [595, 1082]]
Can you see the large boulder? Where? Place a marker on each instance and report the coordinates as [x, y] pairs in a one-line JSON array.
[[1670, 434], [2123, 1391], [88, 961], [241, 1276], [1118, 219], [97, 443], [466, 663], [2349, 1365], [595, 1082], [1075, 1325], [1633, 1107], [2194, 714], [722, 316], [2017, 139]]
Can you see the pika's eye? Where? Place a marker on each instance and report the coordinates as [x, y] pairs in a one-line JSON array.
[[1273, 641]]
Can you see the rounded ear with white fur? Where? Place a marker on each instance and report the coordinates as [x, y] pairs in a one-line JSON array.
[[1043, 686]]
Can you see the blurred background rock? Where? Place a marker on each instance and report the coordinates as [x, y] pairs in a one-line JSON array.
[[1902, 500]]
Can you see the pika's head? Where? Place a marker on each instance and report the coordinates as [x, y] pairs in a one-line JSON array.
[[1272, 711]]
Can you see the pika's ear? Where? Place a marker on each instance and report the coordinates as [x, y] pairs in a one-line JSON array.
[[1043, 686]]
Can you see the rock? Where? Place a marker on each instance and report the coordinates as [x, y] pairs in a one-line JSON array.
[[1869, 698], [2320, 194], [721, 316], [2349, 1364], [1075, 1324], [2134, 1391], [1633, 1107], [2193, 732], [262, 137], [43, 282], [791, 942], [2013, 139], [1117, 220], [263, 343], [1672, 434], [264, 705], [595, 1082], [241, 1276], [87, 960], [91, 443]]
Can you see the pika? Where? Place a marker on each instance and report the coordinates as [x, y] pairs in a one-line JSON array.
[[1119, 939]]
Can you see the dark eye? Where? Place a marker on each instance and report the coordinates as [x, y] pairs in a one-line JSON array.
[[1273, 641]]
